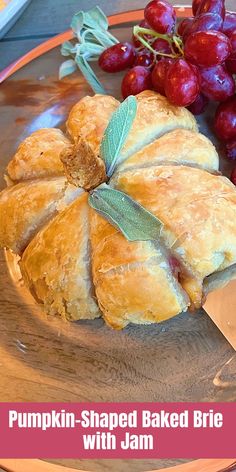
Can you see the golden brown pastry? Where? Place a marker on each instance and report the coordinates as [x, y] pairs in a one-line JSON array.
[[180, 146], [155, 116], [56, 264], [79, 265], [89, 117], [27, 206], [198, 210], [39, 155], [133, 281], [83, 166]]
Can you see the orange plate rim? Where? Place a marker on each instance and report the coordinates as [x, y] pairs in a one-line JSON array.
[[114, 20]]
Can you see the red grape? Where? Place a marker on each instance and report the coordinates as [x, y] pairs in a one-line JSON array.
[[212, 6], [231, 61], [199, 105], [184, 26], [225, 120], [160, 15], [159, 74], [229, 25], [181, 84], [161, 45], [195, 6], [117, 57], [233, 176], [216, 83], [207, 48], [135, 81], [144, 58], [206, 22], [231, 150], [231, 65], [233, 44], [137, 43]]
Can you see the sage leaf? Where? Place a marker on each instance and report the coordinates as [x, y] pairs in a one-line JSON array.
[[92, 38], [89, 75], [95, 18], [90, 49], [104, 38], [133, 220], [68, 49], [77, 22], [67, 68], [116, 133]]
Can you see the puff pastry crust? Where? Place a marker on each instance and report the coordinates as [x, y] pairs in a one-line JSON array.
[[39, 155], [180, 146], [155, 117], [196, 207], [56, 264], [133, 281], [88, 119], [80, 266], [27, 206]]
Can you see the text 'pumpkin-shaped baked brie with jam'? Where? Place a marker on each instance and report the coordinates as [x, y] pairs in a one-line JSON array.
[[75, 259]]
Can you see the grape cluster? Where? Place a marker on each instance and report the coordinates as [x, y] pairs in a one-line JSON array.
[[190, 65]]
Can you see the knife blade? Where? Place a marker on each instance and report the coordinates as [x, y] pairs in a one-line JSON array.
[[220, 305]]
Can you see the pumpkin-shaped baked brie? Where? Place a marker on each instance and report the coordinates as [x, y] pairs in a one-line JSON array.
[[78, 263]]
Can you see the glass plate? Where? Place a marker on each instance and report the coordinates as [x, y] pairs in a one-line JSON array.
[[42, 359]]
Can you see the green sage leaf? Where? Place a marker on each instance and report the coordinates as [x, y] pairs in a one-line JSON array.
[[90, 49], [67, 68], [104, 38], [116, 133], [95, 18], [77, 22], [93, 37], [68, 49], [89, 75], [133, 220]]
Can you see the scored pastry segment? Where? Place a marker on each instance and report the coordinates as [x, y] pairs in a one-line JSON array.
[[27, 206], [56, 264], [89, 118], [194, 207], [133, 280], [155, 117], [180, 146], [110, 246], [38, 156], [140, 294]]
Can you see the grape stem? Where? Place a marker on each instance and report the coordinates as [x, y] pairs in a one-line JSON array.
[[138, 32], [179, 44]]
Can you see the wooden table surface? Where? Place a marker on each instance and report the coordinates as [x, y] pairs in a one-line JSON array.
[[45, 18]]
